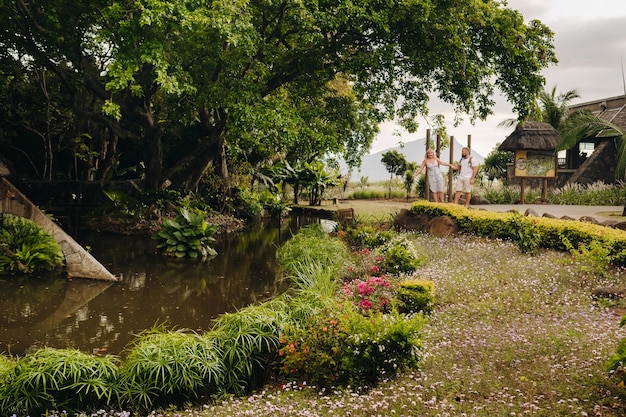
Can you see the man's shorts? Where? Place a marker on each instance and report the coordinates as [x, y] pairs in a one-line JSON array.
[[463, 185]]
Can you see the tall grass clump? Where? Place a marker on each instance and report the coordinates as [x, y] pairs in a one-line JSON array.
[[248, 340], [311, 248], [51, 379], [169, 367], [595, 194]]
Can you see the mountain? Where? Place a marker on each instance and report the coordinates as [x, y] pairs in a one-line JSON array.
[[413, 151]]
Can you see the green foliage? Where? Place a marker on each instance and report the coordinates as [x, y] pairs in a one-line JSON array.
[[174, 367], [595, 194], [524, 231], [311, 246], [273, 204], [415, 295], [365, 237], [293, 91], [189, 235], [316, 179], [494, 165], [343, 348], [26, 247], [248, 203], [594, 257], [399, 256], [394, 162], [247, 339], [51, 379], [502, 195], [373, 194], [531, 233]]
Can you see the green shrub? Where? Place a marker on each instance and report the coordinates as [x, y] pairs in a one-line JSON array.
[[541, 232], [363, 236], [399, 256], [594, 257], [26, 248], [273, 204], [173, 367], [376, 194], [524, 232], [51, 379], [342, 348], [248, 203], [189, 235], [415, 295]]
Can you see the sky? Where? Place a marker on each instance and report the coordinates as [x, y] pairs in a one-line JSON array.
[[590, 44]]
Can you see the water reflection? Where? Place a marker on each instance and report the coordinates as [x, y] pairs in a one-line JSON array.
[[98, 317]]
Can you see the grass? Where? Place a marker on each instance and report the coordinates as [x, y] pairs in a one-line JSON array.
[[510, 334]]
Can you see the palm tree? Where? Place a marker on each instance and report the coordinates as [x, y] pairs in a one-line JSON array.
[[584, 124], [549, 108], [554, 109]]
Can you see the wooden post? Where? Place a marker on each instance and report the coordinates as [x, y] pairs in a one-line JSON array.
[[522, 183], [426, 187], [438, 147], [450, 172], [469, 142], [544, 191]]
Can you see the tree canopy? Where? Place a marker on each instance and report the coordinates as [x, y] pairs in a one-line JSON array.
[[166, 90]]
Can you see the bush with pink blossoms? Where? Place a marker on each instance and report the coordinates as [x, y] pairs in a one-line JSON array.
[[372, 294]]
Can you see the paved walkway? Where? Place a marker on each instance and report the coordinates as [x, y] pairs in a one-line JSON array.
[[600, 213]]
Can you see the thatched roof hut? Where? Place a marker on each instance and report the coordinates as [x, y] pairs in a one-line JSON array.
[[534, 136]]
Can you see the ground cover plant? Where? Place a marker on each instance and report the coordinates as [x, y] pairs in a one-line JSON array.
[[510, 334]]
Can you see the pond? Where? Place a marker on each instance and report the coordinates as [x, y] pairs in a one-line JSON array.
[[102, 317]]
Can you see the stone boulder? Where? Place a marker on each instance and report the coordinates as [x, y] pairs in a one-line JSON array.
[[442, 226], [407, 220], [478, 200]]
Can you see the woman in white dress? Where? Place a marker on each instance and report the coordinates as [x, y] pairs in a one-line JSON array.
[[435, 176]]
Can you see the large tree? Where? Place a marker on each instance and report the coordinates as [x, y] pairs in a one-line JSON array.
[[177, 86]]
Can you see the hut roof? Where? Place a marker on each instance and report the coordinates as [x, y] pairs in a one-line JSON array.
[[532, 136]]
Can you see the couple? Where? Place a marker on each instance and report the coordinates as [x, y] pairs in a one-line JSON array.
[[467, 174]]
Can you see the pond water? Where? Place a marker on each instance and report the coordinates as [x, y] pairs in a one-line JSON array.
[[102, 317]]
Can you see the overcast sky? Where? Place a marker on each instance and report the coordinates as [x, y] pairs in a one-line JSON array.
[[590, 42]]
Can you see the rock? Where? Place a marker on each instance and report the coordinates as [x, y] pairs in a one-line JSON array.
[[442, 226], [478, 200], [609, 223], [549, 216], [567, 218], [620, 225], [589, 219], [531, 212], [407, 220]]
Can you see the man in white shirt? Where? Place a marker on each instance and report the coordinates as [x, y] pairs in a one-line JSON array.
[[467, 173]]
